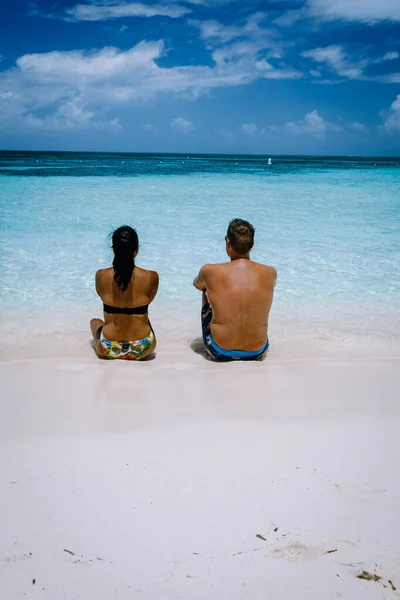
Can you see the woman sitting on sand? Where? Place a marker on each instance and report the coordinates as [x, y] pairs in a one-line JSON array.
[[126, 291]]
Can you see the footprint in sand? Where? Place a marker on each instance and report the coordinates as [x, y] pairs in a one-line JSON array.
[[376, 496], [15, 558], [296, 551]]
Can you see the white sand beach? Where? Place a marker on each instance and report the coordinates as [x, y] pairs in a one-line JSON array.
[[181, 478]]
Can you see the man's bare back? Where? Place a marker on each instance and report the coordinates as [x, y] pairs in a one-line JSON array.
[[240, 294]]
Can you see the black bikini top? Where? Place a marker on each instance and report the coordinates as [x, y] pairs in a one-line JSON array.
[[115, 310]]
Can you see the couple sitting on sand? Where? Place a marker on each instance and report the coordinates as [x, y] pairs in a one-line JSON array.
[[237, 298]]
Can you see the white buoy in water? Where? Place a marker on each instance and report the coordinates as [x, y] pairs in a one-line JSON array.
[[269, 161]]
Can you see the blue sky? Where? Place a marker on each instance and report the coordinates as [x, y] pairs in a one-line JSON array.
[[284, 76]]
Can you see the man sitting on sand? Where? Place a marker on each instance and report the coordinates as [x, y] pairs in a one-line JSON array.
[[237, 298]]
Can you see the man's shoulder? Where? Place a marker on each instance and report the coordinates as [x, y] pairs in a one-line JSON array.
[[210, 268], [266, 268], [266, 271]]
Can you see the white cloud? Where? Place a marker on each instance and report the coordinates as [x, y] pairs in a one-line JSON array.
[[312, 124], [358, 127], [213, 3], [336, 58], [369, 11], [104, 11], [287, 19], [150, 127], [77, 64], [392, 117], [71, 115], [226, 133], [42, 86], [249, 44], [249, 128], [391, 55], [391, 78], [182, 125], [213, 30], [221, 34], [4, 95]]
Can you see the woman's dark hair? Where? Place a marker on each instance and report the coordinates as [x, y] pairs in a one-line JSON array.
[[125, 242]]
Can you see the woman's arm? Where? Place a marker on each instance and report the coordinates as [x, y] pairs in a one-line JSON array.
[[154, 285], [99, 283]]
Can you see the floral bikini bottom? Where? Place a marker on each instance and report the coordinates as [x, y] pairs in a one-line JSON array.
[[137, 350]]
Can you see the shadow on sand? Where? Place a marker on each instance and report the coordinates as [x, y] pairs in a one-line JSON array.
[[197, 345]]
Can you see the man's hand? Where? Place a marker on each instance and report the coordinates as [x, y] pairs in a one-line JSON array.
[[199, 281]]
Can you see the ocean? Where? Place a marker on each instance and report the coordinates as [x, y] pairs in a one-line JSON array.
[[329, 225]]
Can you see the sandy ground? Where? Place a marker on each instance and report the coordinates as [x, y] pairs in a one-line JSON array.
[[183, 479]]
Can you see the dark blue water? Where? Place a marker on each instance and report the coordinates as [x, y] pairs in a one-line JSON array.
[[84, 164]]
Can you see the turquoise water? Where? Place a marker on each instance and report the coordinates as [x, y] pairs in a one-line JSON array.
[[330, 226]]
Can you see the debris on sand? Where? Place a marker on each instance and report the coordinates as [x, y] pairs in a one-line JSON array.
[[369, 576]]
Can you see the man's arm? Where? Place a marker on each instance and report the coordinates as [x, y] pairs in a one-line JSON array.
[[274, 275], [199, 282]]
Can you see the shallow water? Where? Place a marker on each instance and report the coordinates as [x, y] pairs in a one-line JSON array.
[[329, 225]]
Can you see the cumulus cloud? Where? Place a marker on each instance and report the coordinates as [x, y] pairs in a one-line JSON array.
[[182, 125], [368, 11], [71, 115], [287, 19], [358, 127], [391, 55], [150, 127], [4, 94], [249, 43], [109, 10], [226, 133], [42, 85], [249, 128], [335, 58], [265, 47], [213, 3], [312, 124], [392, 117], [391, 78], [217, 32]]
